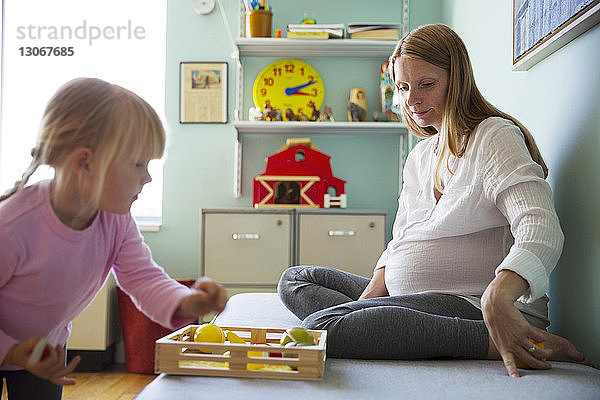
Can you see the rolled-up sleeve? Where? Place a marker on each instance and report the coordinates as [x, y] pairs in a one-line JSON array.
[[516, 185], [538, 236]]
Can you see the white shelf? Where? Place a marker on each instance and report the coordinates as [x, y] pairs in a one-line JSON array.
[[306, 48], [271, 47], [320, 128]]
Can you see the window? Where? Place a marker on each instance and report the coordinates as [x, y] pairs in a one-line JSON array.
[[46, 44]]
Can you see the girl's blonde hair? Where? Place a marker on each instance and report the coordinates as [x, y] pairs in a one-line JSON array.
[[109, 120], [465, 107]]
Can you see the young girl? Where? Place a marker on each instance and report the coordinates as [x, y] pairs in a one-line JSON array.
[[61, 237]]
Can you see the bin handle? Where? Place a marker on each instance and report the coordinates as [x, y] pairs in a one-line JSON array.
[[341, 233], [245, 236]]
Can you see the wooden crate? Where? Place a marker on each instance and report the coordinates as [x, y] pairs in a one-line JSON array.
[[175, 354]]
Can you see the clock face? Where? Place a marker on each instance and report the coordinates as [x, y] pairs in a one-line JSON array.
[[289, 84]]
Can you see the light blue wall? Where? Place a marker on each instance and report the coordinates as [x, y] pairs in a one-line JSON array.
[[559, 101], [199, 169]]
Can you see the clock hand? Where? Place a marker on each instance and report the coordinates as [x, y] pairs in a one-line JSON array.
[[290, 91], [301, 93]]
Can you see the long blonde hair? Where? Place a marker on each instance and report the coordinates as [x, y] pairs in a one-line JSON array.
[[106, 118], [465, 107]]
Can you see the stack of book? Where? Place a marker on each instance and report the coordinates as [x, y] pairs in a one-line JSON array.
[[315, 31], [374, 31]]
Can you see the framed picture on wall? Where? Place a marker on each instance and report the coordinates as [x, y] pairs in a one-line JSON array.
[[540, 27], [203, 92]]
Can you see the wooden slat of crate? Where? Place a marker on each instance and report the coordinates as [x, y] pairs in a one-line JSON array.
[[309, 361]]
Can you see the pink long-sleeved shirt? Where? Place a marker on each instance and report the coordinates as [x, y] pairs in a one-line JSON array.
[[49, 272]]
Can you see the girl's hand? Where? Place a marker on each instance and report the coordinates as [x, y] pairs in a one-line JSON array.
[[52, 367], [208, 296]]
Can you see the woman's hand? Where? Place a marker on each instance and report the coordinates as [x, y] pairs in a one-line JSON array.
[[376, 288], [508, 330], [52, 367], [208, 296]]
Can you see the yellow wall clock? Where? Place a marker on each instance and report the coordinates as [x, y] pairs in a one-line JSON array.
[[289, 84]]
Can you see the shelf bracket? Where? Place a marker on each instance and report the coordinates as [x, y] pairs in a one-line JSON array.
[[237, 167], [237, 114]]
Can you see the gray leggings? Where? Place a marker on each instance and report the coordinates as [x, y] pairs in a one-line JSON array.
[[405, 327]]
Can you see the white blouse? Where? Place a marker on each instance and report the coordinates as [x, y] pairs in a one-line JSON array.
[[496, 213]]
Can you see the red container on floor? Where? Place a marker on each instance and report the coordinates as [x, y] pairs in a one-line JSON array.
[[139, 333]]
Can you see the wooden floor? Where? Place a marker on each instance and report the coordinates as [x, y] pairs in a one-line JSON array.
[[114, 383]]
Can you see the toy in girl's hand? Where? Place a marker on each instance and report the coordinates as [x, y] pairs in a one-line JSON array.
[[39, 353]]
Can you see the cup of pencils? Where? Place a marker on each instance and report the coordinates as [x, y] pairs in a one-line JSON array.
[[258, 18]]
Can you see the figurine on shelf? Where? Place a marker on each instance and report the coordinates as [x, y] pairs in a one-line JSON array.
[[386, 88], [271, 113], [290, 116], [326, 114], [255, 114], [379, 116], [314, 116], [357, 105], [308, 20]]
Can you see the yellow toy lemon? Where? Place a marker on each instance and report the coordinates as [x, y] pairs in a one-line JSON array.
[[521, 364], [209, 333]]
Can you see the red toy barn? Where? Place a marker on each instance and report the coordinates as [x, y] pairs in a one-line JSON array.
[[298, 176]]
